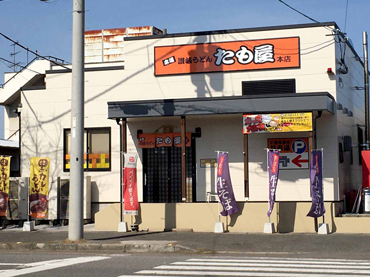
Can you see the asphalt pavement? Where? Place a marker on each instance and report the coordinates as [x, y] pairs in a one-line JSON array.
[[55, 238]]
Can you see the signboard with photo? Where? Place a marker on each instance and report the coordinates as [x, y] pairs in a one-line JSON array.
[[277, 123]]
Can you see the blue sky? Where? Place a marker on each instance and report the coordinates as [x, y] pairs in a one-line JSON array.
[[47, 27]]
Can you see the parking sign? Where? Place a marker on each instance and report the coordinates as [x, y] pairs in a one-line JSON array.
[[293, 154]]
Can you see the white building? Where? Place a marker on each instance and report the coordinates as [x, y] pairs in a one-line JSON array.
[[204, 82]]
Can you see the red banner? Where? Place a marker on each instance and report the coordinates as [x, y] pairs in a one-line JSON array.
[[131, 203]]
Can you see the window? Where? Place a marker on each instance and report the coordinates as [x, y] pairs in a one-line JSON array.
[[96, 149], [268, 87]]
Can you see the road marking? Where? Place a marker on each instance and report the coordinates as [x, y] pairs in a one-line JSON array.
[[250, 264], [212, 273], [48, 265], [260, 266], [288, 261], [271, 268]]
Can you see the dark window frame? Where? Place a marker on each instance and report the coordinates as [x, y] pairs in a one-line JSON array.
[[109, 129]]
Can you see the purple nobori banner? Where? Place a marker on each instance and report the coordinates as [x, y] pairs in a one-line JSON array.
[[224, 188], [317, 208], [273, 168]]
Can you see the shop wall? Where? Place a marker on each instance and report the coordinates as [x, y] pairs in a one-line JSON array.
[[293, 184], [11, 121], [353, 100], [317, 51], [46, 113]]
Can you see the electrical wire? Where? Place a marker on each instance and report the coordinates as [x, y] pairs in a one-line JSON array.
[[27, 49], [310, 18], [23, 67], [336, 32]]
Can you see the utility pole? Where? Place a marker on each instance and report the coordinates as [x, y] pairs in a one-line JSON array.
[[366, 81], [75, 228]]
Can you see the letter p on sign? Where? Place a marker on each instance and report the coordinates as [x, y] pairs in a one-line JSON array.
[[299, 146]]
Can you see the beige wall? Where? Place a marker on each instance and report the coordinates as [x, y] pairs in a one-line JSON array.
[[201, 217]]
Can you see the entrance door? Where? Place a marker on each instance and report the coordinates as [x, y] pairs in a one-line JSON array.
[[162, 174]]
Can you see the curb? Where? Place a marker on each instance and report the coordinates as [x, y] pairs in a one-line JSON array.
[[76, 247]]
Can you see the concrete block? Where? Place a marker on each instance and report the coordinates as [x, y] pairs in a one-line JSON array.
[[323, 229], [29, 226], [122, 227], [269, 228], [219, 227]]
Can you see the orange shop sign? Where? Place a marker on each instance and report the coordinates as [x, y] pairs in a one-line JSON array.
[[162, 139], [227, 56]]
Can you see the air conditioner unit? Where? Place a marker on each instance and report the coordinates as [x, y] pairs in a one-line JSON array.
[[17, 202]]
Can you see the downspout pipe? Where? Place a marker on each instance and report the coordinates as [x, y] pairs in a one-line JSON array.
[[319, 114]]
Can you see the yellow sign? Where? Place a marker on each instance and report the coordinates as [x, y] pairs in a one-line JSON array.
[[4, 184], [276, 123], [39, 186]]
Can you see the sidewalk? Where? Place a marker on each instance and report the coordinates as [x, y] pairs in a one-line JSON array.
[[55, 239]]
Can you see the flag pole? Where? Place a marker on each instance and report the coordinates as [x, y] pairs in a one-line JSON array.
[[268, 181], [322, 187]]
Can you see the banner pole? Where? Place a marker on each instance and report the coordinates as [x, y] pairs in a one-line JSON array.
[[268, 181], [218, 210], [121, 189], [28, 200], [218, 202], [322, 187]]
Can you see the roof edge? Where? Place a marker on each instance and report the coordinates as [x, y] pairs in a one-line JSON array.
[[230, 31]]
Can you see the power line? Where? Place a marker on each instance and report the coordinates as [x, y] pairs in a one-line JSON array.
[[310, 18], [23, 67], [35, 53]]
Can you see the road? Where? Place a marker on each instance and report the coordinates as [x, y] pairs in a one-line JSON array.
[[140, 265]]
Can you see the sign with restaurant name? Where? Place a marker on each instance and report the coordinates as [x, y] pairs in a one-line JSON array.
[[277, 123], [162, 140], [227, 56]]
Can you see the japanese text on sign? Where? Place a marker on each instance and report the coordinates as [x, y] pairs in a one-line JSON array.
[[227, 56]]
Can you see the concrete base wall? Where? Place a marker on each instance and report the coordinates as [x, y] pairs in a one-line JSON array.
[[201, 217]]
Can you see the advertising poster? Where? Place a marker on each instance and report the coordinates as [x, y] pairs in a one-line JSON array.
[[131, 203], [293, 152], [273, 169], [277, 123], [4, 184], [227, 56], [224, 187], [317, 208], [39, 187]]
